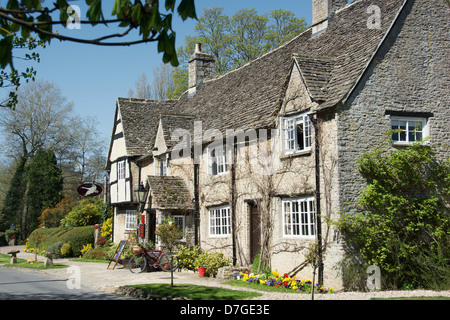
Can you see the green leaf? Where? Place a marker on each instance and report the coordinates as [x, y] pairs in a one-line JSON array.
[[136, 13], [155, 18], [170, 5], [186, 9], [94, 12], [6, 46], [63, 5]]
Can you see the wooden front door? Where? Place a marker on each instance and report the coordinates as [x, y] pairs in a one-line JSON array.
[[255, 231]]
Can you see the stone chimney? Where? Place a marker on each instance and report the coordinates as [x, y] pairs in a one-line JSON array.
[[322, 11], [201, 67]]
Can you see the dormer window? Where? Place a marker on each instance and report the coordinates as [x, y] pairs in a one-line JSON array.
[[217, 161], [161, 166], [295, 133]]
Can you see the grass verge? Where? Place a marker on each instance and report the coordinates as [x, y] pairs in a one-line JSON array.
[[196, 292], [22, 263]]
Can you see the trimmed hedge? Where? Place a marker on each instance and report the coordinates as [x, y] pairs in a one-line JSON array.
[[77, 237]]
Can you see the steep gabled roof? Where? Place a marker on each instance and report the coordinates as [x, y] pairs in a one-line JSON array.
[[140, 119], [172, 122]]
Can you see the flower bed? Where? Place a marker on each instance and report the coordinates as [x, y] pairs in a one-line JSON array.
[[274, 279]]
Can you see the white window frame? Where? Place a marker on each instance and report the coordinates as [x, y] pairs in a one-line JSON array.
[[290, 136], [219, 221], [161, 166], [299, 219], [406, 124], [121, 167], [217, 165], [181, 222], [130, 220]]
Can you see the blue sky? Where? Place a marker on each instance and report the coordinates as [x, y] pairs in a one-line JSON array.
[[93, 77]]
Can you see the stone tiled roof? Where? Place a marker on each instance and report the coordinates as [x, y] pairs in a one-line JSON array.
[[169, 193], [140, 118], [172, 122], [248, 97], [331, 62]]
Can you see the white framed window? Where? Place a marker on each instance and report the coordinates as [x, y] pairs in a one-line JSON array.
[[298, 217], [217, 161], [121, 170], [181, 222], [160, 166], [408, 130], [219, 221], [130, 220], [295, 133]]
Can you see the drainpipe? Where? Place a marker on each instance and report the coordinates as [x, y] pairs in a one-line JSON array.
[[318, 213], [196, 203], [233, 204]]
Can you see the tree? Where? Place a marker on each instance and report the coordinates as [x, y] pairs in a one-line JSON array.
[[37, 18], [162, 80], [51, 217], [11, 78], [143, 88], [13, 203], [39, 119], [235, 41], [249, 32], [180, 83], [405, 226], [45, 184]]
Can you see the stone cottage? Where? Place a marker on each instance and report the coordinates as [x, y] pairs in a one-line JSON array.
[[260, 158]]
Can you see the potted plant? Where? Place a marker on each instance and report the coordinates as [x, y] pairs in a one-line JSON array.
[[201, 264]]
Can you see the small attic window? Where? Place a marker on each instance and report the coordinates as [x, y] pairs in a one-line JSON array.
[[295, 133]]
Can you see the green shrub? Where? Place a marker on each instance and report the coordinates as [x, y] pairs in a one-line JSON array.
[[97, 254], [212, 261], [187, 256], [55, 248], [404, 222], [77, 237], [87, 212], [66, 250]]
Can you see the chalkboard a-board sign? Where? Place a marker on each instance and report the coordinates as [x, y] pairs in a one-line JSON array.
[[116, 256]]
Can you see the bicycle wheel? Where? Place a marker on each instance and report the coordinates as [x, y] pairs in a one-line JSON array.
[[168, 262], [137, 263]]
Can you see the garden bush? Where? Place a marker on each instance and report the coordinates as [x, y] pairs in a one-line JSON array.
[[66, 250], [55, 248], [187, 256], [404, 222], [212, 261], [77, 237]]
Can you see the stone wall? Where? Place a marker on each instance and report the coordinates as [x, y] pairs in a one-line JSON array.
[[409, 74]]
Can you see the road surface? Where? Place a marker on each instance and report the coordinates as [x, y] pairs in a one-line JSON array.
[[16, 284]]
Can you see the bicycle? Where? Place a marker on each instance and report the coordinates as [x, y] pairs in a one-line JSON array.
[[155, 258]]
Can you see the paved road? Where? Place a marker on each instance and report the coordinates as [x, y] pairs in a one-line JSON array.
[[18, 284]]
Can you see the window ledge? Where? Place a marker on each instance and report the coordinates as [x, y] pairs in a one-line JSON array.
[[289, 155]]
